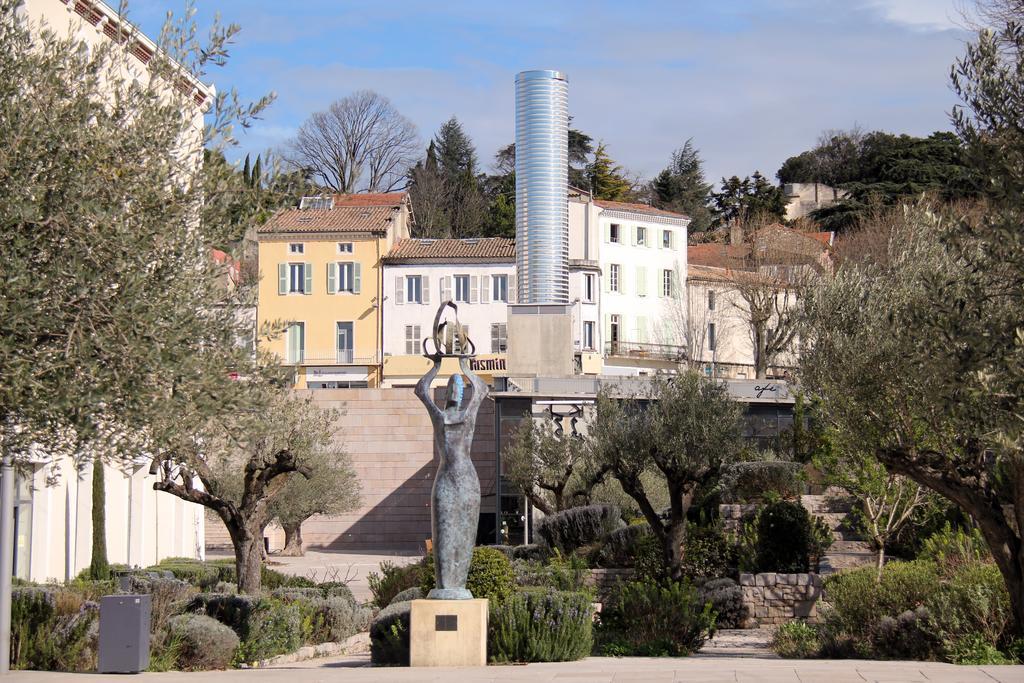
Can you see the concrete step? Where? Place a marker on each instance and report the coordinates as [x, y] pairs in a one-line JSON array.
[[834, 561], [830, 502]]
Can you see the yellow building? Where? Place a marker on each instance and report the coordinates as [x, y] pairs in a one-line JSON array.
[[321, 273]]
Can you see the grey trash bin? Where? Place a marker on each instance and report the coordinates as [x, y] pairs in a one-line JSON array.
[[124, 633]]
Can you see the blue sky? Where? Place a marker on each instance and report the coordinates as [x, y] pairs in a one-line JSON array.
[[752, 82]]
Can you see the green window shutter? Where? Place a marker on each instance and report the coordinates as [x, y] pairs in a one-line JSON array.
[[308, 268], [282, 278], [332, 278], [632, 235], [607, 328], [641, 329], [357, 277]]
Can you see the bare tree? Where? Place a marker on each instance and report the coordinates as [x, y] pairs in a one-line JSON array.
[[361, 142], [694, 309]]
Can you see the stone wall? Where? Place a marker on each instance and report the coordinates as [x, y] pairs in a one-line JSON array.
[[778, 598], [605, 580], [390, 439], [732, 515]]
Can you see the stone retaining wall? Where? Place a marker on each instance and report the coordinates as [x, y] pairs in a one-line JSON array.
[[604, 580], [732, 514], [778, 598]]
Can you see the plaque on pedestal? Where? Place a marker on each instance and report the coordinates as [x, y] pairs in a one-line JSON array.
[[448, 633]]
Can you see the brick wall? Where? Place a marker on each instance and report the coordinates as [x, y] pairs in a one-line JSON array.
[[778, 598], [389, 438]]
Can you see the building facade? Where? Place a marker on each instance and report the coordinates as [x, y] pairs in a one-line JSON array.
[[322, 285], [642, 258], [477, 274]]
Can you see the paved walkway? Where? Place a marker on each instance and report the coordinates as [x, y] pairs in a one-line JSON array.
[[593, 670]]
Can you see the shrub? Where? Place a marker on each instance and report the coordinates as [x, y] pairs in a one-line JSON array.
[[649, 560], [795, 640], [726, 599], [707, 553], [394, 579], [752, 481], [339, 619], [620, 546], [203, 575], [532, 551], [337, 589], [201, 642], [576, 527], [952, 547], [977, 650], [389, 636], [783, 538], [490, 575], [541, 627], [906, 636], [654, 619], [507, 550], [168, 596], [266, 626], [53, 629], [414, 593], [971, 602]]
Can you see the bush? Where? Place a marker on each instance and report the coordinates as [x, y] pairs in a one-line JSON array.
[[389, 636], [554, 626], [337, 589], [201, 642], [653, 619], [394, 579], [414, 593], [707, 553], [576, 527], [795, 640], [507, 550], [972, 602], [783, 538], [649, 560], [339, 619], [490, 575], [953, 547], [726, 599], [532, 551], [266, 626], [53, 629], [168, 596], [977, 650], [620, 546], [906, 636], [753, 481], [206, 575]]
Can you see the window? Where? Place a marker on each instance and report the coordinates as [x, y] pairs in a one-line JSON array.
[[414, 290], [613, 330], [588, 288], [344, 247], [462, 288], [613, 277], [296, 342], [346, 342], [666, 282], [499, 288], [711, 336], [614, 232], [297, 278], [641, 236], [711, 299], [666, 239], [346, 277], [588, 335], [499, 337], [296, 248], [412, 340]]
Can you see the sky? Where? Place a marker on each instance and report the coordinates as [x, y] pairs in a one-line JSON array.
[[752, 82]]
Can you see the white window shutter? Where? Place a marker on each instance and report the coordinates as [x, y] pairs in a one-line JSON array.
[[485, 289], [641, 329], [357, 276], [632, 234], [623, 279], [332, 278], [446, 288], [426, 291], [607, 327], [474, 289], [513, 293], [399, 290], [282, 278], [309, 278], [607, 232]]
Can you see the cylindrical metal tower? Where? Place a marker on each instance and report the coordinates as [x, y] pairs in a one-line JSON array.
[[542, 187]]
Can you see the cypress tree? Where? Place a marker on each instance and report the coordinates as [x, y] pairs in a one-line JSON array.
[[99, 568]]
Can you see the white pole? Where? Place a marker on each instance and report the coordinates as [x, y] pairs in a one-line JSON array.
[[6, 558]]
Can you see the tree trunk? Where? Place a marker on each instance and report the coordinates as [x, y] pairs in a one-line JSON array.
[[880, 562], [248, 544], [99, 567], [292, 540], [675, 536]]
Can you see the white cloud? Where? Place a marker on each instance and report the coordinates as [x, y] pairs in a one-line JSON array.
[[930, 15]]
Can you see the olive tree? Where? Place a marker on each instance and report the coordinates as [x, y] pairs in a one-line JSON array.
[[684, 429], [330, 489]]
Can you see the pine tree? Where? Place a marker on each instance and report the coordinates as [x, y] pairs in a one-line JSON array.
[[606, 181], [681, 187], [446, 183], [753, 197]]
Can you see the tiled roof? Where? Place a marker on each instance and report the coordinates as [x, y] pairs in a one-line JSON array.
[[482, 248], [338, 219], [783, 243], [717, 255], [825, 238], [639, 208], [394, 199], [725, 275]]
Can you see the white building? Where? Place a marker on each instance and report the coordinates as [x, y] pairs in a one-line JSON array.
[[477, 274], [642, 257], [585, 281], [53, 529]]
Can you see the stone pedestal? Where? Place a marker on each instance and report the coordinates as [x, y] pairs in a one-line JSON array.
[[448, 633]]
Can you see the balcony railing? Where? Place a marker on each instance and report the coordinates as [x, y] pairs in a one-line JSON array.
[[333, 358], [623, 349]]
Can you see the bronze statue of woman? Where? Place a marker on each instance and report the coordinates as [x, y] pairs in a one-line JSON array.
[[455, 499]]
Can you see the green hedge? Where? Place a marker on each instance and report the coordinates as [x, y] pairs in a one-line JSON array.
[[576, 527], [490, 575], [541, 627], [655, 619]]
